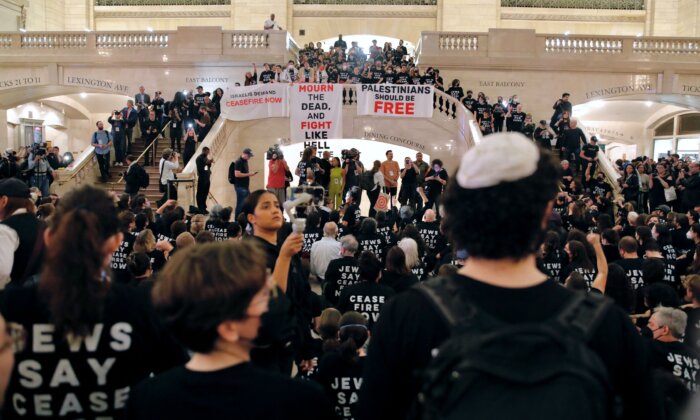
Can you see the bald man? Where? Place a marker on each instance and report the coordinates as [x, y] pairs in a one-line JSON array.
[[324, 251]]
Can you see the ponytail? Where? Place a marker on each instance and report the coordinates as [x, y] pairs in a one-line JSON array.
[[73, 280], [353, 335]]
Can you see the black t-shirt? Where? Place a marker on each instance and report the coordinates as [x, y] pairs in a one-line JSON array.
[[267, 76], [551, 265], [218, 229], [497, 111], [430, 233], [311, 236], [420, 271], [678, 359], [480, 108], [374, 243], [352, 216], [388, 234], [587, 273], [456, 92], [341, 273], [342, 381], [344, 75], [237, 392], [151, 128], [377, 75], [469, 103], [157, 260], [590, 150], [241, 166], [692, 328], [601, 188], [410, 177], [518, 119], [543, 137], [633, 271], [49, 380], [410, 328], [486, 125], [390, 78], [366, 298], [432, 186], [402, 79], [398, 282], [120, 272], [572, 139], [427, 79]]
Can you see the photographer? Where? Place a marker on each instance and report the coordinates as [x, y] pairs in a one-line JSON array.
[[8, 164], [176, 129], [689, 181], [203, 178], [169, 164], [352, 169], [659, 181], [409, 183], [118, 136], [102, 142], [130, 118], [151, 130], [277, 177]]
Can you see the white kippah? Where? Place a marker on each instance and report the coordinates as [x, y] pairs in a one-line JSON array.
[[500, 157]]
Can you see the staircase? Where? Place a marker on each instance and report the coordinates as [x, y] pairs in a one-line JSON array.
[[115, 172]]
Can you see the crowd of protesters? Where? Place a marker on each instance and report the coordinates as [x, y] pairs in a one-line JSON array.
[[117, 310]]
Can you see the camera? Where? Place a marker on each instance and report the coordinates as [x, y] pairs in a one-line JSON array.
[[349, 154], [272, 151], [117, 112], [41, 152], [408, 161]]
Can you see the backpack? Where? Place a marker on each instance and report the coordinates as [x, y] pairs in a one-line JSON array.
[[232, 173], [367, 180], [144, 178], [489, 369]]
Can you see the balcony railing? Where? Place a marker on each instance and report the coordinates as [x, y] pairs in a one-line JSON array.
[[162, 2], [577, 4], [436, 45], [371, 2]]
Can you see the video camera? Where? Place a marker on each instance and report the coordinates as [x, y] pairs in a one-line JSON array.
[[274, 152], [349, 154]]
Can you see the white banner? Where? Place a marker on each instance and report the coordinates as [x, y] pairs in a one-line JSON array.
[[256, 102], [415, 101], [316, 111]]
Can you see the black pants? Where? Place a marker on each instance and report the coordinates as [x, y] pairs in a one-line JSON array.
[[150, 154], [373, 196], [129, 133], [408, 195], [433, 200], [392, 191], [497, 125], [203, 185], [173, 194], [103, 163]]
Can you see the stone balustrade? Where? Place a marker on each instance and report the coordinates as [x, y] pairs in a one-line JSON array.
[[461, 49]]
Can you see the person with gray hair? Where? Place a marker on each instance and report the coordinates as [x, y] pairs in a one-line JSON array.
[[324, 251], [668, 352], [342, 272]]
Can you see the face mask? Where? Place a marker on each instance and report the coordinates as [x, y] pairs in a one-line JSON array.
[[689, 235]]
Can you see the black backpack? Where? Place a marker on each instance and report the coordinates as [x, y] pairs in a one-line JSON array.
[[489, 369], [232, 173], [144, 178], [367, 180]]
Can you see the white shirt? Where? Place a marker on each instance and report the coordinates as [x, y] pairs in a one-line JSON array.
[[378, 180], [168, 168], [322, 253], [10, 242], [271, 25]]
